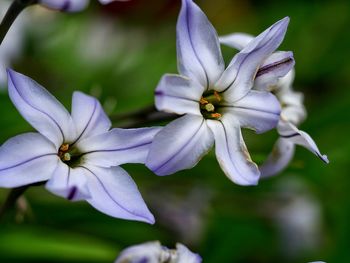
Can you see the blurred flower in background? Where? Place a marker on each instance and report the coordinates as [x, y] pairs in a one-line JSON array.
[[154, 252], [11, 48]]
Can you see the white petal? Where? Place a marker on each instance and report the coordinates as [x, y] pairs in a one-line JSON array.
[[279, 158], [239, 76], [70, 183], [277, 65], [114, 193], [258, 110], [288, 131], [198, 48], [65, 5], [40, 108], [149, 252], [236, 40], [186, 256], [231, 151], [88, 116], [179, 145], [177, 94], [118, 146], [293, 107], [25, 159]]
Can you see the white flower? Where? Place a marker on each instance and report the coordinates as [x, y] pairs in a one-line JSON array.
[[154, 252], [293, 110], [215, 102], [77, 154], [70, 5]]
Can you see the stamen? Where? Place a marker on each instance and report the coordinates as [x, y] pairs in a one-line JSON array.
[[66, 157], [215, 115], [217, 96], [64, 147], [209, 107], [203, 101]]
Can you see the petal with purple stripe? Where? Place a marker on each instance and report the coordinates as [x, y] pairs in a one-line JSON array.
[[25, 159], [231, 151], [70, 183], [239, 76], [177, 94], [46, 114], [179, 145], [88, 116], [114, 193], [118, 146], [198, 48]]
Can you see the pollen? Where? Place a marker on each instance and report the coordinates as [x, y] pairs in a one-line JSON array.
[[64, 147], [215, 115], [217, 96], [203, 101]]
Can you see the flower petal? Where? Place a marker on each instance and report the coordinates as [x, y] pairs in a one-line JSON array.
[[25, 159], [118, 146], [293, 108], [239, 76], [258, 110], [177, 94], [279, 158], [147, 252], [198, 48], [236, 40], [179, 145], [70, 183], [277, 65], [88, 116], [186, 256], [40, 108], [288, 131], [114, 193], [65, 5], [232, 153]]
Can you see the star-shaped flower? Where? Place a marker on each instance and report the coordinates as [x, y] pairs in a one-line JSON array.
[[293, 110], [215, 102], [77, 154]]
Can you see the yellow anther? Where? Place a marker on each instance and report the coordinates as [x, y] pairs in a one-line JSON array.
[[66, 157], [215, 115], [64, 147], [203, 101], [217, 96], [209, 107]]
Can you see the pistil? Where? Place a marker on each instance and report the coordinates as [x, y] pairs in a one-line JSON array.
[[209, 104]]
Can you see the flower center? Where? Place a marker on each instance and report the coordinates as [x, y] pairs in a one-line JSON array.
[[69, 155], [210, 104]]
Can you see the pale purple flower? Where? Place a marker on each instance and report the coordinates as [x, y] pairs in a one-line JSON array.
[[154, 252], [77, 154], [293, 110], [11, 47], [215, 102], [70, 5]]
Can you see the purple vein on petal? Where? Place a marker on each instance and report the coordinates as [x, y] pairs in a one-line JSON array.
[[51, 118], [27, 161], [177, 152], [109, 194]]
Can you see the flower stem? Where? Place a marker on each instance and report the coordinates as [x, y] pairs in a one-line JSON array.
[[12, 13], [144, 116], [13, 196]]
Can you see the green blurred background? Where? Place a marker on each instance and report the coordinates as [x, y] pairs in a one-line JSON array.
[[118, 53]]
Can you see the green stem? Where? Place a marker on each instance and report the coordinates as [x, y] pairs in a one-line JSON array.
[[142, 117], [13, 196], [12, 13]]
